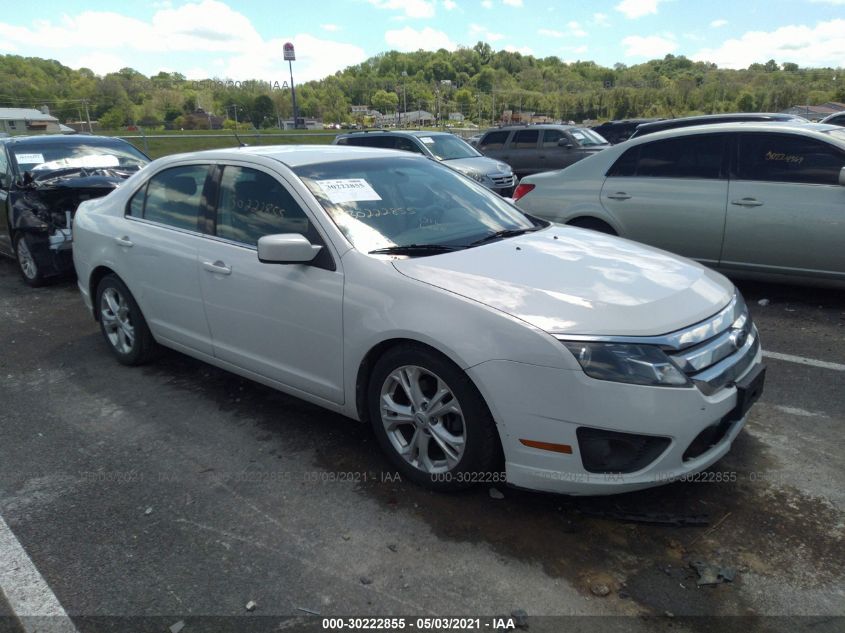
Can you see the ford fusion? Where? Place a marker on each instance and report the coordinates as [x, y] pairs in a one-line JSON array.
[[42, 181], [480, 343]]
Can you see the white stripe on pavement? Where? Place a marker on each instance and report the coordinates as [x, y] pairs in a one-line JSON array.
[[812, 362], [31, 599]]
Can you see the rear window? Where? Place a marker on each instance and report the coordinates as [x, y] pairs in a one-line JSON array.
[[525, 139], [686, 157], [384, 142], [494, 140], [788, 158]]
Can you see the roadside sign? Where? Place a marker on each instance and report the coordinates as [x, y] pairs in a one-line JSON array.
[[290, 55]]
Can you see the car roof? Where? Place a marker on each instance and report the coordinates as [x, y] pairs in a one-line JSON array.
[[726, 116], [813, 129], [534, 126], [295, 155], [416, 133]]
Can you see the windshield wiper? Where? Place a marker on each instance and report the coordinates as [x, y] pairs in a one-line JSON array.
[[499, 235], [415, 249]]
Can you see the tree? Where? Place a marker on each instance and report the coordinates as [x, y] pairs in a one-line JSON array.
[[384, 101]]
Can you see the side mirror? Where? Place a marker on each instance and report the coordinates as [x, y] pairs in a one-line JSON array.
[[286, 248], [842, 176], [564, 143]]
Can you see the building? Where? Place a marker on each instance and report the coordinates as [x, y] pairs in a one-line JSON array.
[[27, 121], [415, 118]]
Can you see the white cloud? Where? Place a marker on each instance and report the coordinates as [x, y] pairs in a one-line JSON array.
[[551, 33], [575, 29], [477, 31], [410, 40], [106, 41], [411, 8], [332, 28], [449, 5], [637, 8], [650, 47], [513, 3], [487, 4], [600, 19], [817, 46], [525, 50], [717, 24]]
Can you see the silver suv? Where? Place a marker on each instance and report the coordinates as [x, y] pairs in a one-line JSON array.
[[447, 148]]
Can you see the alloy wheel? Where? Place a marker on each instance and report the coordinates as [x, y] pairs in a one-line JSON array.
[[26, 261], [423, 419], [115, 317]]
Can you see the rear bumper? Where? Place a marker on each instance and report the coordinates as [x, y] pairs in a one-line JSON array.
[[544, 404]]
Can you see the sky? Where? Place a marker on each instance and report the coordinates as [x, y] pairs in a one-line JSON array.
[[243, 40]]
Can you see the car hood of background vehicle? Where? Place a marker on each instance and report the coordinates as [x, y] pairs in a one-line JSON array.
[[480, 164], [567, 280]]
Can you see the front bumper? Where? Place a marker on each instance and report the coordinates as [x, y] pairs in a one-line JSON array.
[[548, 405]]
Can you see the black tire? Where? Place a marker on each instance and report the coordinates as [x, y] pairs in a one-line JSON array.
[[143, 346], [27, 266], [593, 224], [481, 447]]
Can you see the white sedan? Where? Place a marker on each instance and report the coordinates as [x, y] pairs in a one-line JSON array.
[[481, 344]]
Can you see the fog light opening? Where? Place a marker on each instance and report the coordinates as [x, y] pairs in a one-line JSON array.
[[609, 452]]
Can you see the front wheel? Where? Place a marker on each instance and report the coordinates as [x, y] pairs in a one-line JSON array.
[[122, 324], [431, 420], [28, 267]]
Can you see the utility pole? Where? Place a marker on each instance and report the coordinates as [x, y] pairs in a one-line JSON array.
[[87, 116], [404, 99]]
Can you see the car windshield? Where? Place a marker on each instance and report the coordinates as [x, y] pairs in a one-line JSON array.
[[587, 137], [395, 202], [84, 154], [448, 147]]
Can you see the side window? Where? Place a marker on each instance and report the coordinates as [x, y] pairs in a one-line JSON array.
[[625, 165], [525, 139], [136, 203], [174, 196], [683, 157], [407, 145], [552, 137], [494, 140], [253, 204], [384, 142], [788, 158]]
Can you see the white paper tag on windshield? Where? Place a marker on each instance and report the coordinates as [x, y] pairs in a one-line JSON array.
[[348, 190], [427, 140], [29, 159]]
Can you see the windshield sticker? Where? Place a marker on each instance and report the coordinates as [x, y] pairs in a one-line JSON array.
[[30, 159], [427, 140], [85, 162], [786, 158], [348, 190]]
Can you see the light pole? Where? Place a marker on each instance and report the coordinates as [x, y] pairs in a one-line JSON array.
[[290, 57], [404, 98]]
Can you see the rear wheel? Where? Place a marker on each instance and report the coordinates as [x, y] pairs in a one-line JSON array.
[[593, 224], [431, 421], [122, 324], [30, 271]]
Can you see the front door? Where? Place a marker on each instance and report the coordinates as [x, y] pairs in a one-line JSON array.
[[281, 321], [786, 210]]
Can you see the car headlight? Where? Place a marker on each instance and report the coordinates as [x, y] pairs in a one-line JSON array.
[[625, 362], [476, 176]]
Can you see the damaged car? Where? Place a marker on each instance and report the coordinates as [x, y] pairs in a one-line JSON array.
[[42, 181]]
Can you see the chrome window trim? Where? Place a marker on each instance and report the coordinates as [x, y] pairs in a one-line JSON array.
[[178, 229], [679, 339]]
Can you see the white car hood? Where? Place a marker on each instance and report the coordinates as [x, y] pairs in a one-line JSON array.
[[567, 280]]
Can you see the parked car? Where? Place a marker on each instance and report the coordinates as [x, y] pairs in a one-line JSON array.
[[709, 119], [752, 199], [391, 289], [837, 118], [42, 181], [452, 150], [536, 148], [618, 131]]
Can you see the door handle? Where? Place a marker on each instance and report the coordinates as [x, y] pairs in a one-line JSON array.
[[124, 241], [747, 202], [619, 195], [217, 267]]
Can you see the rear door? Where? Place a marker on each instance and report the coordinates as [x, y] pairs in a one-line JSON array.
[[495, 145], [5, 185], [158, 245], [672, 194], [524, 151], [786, 211]]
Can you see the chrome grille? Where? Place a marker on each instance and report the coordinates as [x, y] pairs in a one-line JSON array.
[[503, 181]]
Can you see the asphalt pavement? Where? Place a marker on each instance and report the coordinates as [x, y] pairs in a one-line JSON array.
[[179, 491]]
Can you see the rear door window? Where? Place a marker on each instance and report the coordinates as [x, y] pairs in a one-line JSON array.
[[788, 158], [174, 197], [407, 145], [384, 142], [525, 139], [699, 156], [552, 137], [494, 140]]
